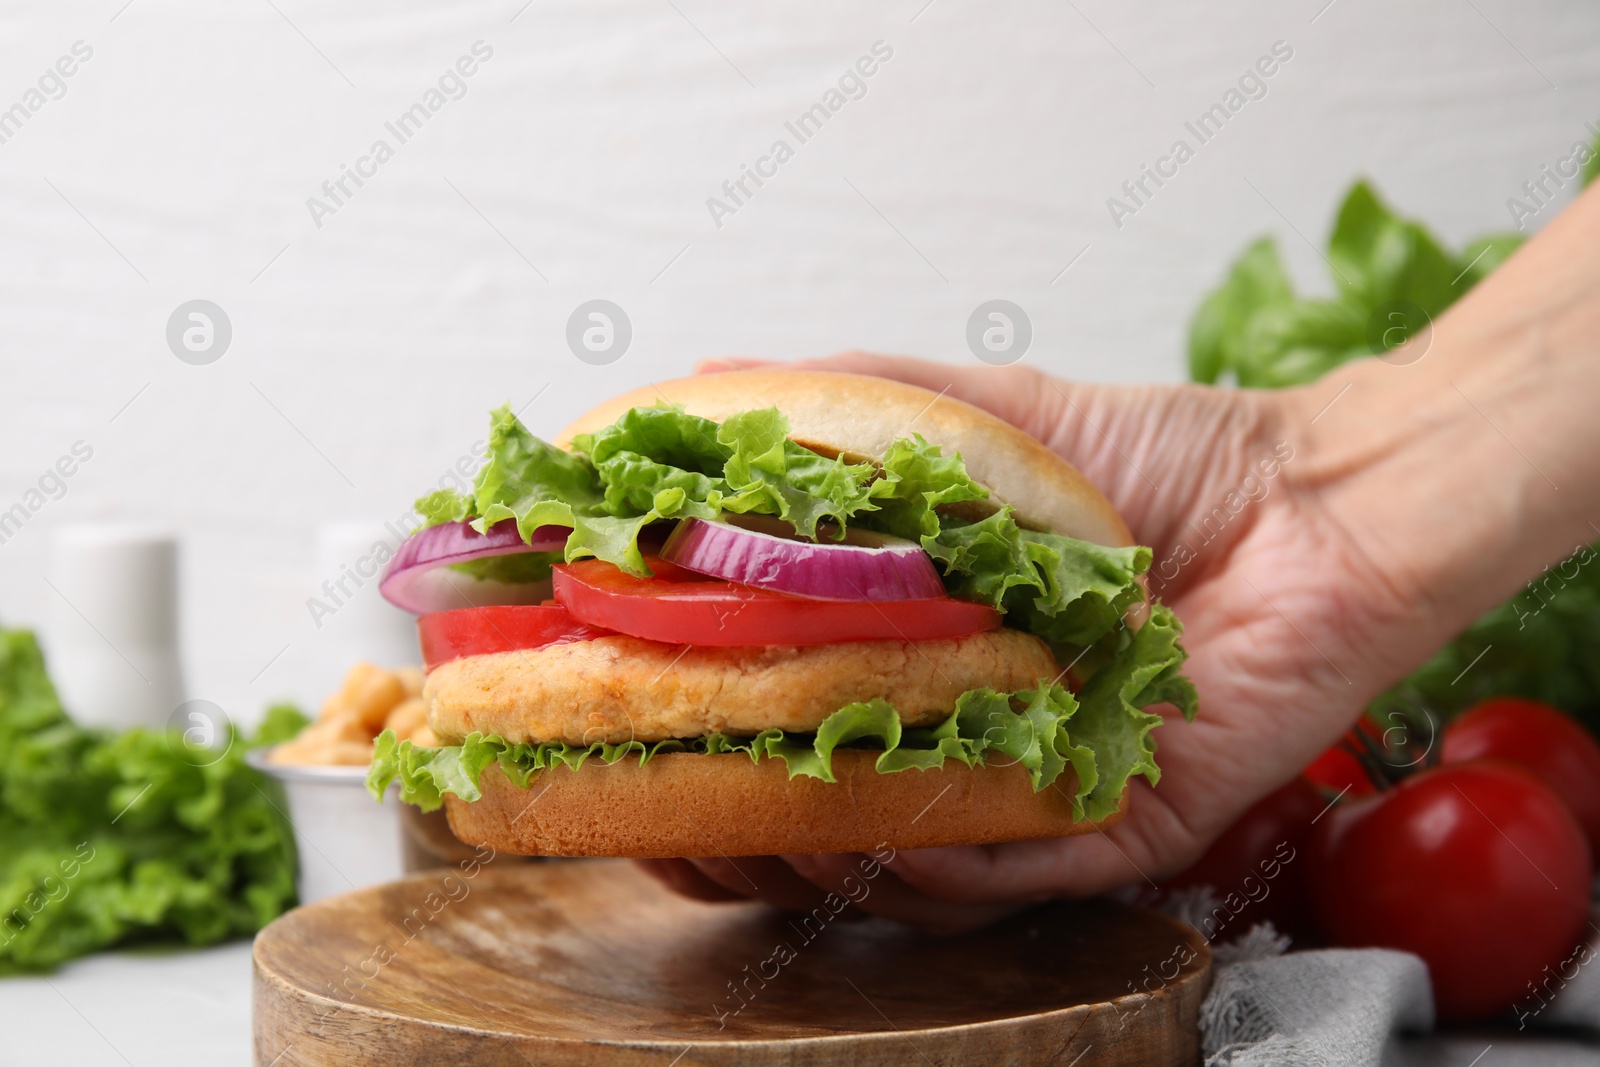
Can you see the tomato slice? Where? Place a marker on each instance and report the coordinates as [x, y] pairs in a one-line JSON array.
[[450, 635], [681, 607]]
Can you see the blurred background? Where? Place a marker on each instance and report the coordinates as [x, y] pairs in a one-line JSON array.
[[265, 266], [370, 330]]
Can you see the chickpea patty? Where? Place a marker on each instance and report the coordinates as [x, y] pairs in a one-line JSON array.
[[621, 688]]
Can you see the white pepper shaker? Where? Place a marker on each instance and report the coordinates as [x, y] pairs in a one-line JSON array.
[[349, 619], [113, 627]]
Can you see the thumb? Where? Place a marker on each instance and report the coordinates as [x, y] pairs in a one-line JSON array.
[[1021, 396], [718, 364]]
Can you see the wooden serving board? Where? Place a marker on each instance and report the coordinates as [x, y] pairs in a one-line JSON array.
[[590, 962]]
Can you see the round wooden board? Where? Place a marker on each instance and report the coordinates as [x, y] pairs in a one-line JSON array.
[[590, 962]]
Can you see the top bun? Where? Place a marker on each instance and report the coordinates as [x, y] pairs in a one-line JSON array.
[[857, 416]]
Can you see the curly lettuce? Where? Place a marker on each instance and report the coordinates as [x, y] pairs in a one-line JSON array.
[[109, 838], [1102, 734], [662, 463]]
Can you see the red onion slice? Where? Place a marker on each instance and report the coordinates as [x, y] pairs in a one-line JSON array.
[[877, 567], [418, 578]]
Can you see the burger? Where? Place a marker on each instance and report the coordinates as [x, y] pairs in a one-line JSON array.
[[777, 611]]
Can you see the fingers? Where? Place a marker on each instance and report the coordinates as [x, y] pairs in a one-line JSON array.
[[718, 364], [872, 887], [764, 878], [720, 879], [685, 879], [1068, 866], [945, 890], [1023, 397]]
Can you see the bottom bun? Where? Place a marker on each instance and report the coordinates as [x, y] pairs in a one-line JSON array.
[[691, 804]]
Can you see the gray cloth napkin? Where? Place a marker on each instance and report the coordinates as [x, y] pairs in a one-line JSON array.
[[1323, 1008], [1372, 1007]]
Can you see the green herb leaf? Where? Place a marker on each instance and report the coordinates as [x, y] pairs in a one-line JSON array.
[[1389, 271], [1483, 255], [1379, 257], [1299, 341], [1257, 281]]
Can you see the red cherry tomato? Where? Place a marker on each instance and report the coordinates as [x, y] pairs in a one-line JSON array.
[[681, 607], [1547, 742], [1257, 867], [1476, 867], [1339, 772], [448, 635]]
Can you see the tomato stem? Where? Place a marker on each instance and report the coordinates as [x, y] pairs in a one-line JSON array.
[[1359, 745]]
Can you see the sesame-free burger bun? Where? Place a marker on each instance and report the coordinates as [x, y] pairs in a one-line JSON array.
[[857, 416], [691, 804]]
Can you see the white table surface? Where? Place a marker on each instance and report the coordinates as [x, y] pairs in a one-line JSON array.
[[172, 1007]]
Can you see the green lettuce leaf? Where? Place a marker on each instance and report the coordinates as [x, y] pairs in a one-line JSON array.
[[109, 838], [1046, 730], [661, 463], [768, 473], [280, 723], [445, 505], [984, 559], [529, 480], [1111, 720], [917, 478], [1087, 587], [666, 463], [875, 721], [426, 774], [1067, 591], [652, 464], [651, 450]]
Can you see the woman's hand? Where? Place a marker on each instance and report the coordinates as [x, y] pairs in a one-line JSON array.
[[1281, 609], [1316, 547]]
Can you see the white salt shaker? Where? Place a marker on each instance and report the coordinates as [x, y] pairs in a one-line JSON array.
[[350, 620], [113, 626]]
